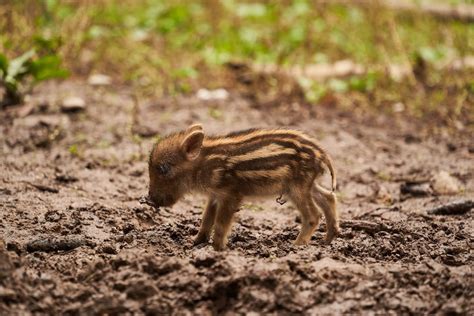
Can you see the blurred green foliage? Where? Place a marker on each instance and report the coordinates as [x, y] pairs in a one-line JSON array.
[[214, 32], [168, 46], [15, 72]]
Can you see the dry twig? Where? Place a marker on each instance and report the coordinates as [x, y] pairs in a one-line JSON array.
[[453, 208]]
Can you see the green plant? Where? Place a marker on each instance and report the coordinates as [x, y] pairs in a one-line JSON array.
[[22, 73], [215, 113], [74, 150], [175, 47]]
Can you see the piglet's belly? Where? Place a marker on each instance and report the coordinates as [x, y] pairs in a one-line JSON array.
[[256, 189]]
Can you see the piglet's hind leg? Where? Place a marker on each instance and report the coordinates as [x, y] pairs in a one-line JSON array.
[[309, 220], [225, 214], [326, 200]]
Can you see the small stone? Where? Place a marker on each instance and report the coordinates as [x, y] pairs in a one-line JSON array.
[[128, 228], [73, 104], [218, 94], [128, 238], [14, 246], [99, 80], [398, 107], [52, 216], [444, 183], [108, 249], [416, 189]]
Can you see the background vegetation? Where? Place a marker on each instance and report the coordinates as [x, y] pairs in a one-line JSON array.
[[174, 47]]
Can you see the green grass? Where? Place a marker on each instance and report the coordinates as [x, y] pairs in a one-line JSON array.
[[172, 47]]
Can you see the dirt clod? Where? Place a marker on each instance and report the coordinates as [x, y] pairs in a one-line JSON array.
[[99, 80], [416, 189], [73, 104], [444, 183], [56, 244], [108, 249]]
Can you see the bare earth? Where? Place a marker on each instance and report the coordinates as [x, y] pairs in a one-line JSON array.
[[114, 255]]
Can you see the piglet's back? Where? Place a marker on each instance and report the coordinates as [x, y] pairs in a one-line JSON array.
[[261, 161]]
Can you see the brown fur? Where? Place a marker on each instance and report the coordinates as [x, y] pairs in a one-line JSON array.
[[256, 162]]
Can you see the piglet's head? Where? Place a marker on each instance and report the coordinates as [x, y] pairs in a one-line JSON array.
[[171, 165]]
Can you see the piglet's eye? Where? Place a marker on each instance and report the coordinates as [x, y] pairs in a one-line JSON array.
[[164, 169]]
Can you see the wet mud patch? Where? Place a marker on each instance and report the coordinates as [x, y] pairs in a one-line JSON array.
[[75, 239]]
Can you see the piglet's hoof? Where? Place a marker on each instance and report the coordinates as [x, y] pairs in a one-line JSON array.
[[330, 237], [218, 247], [328, 240], [200, 239], [300, 243]]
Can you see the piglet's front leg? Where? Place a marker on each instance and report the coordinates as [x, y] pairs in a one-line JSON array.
[[207, 223], [225, 213]]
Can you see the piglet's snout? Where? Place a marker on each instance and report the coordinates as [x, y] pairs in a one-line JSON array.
[[163, 201], [158, 200]]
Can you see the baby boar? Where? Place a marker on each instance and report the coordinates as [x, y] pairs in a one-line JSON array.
[[254, 162]]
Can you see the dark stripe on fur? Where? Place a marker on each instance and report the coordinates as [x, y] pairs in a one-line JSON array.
[[266, 163], [267, 136], [242, 132], [255, 145]]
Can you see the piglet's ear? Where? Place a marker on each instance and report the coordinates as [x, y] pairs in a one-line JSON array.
[[194, 127], [192, 143]]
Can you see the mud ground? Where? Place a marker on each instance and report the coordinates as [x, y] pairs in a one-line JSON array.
[[75, 240]]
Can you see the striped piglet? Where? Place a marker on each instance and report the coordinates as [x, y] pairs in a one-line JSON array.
[[254, 162]]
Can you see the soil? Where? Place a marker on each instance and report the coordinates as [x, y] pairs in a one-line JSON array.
[[75, 240]]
